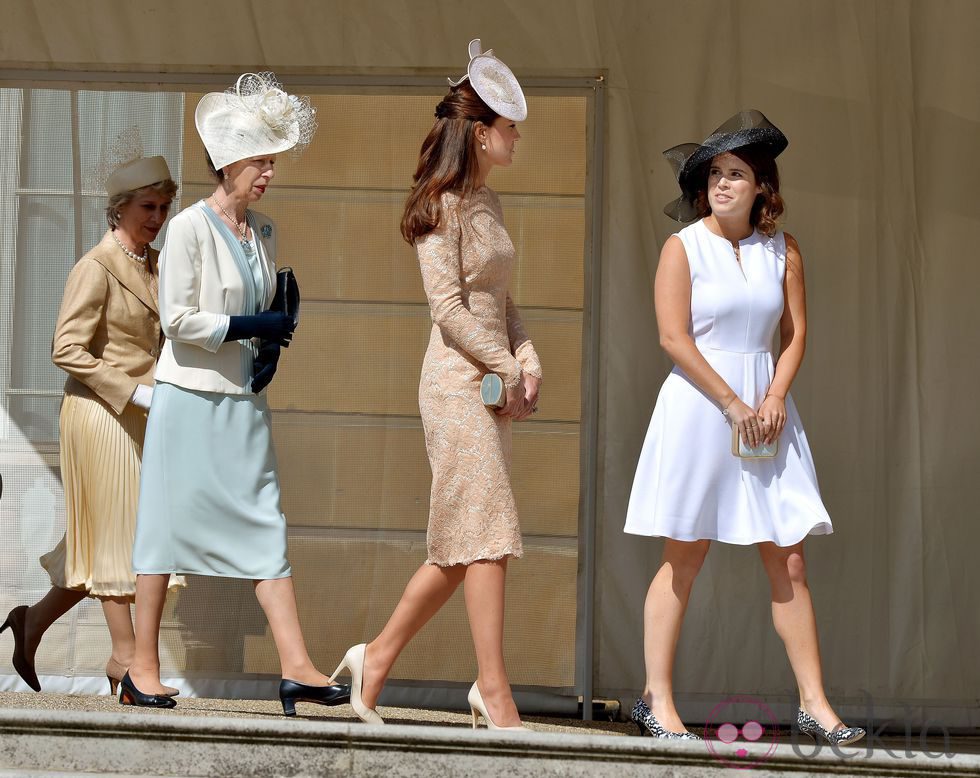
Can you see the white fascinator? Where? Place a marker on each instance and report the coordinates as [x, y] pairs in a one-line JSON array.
[[253, 118], [495, 83]]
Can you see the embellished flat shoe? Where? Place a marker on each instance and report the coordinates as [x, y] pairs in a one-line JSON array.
[[130, 695], [291, 692], [838, 736], [647, 723], [24, 666]]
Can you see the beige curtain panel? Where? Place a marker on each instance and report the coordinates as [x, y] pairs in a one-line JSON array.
[[879, 101]]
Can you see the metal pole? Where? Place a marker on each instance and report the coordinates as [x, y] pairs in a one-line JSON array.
[[585, 629], [76, 175]]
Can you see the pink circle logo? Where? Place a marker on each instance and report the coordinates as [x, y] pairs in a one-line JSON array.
[[746, 745]]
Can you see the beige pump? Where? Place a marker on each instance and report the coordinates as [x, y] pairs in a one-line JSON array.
[[354, 661], [478, 708]]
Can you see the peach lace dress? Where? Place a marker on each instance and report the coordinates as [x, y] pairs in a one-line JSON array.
[[466, 264]]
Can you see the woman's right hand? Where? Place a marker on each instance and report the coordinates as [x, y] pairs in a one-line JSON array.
[[516, 401], [268, 325], [748, 422]]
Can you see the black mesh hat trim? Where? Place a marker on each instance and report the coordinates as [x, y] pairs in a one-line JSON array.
[[746, 128]]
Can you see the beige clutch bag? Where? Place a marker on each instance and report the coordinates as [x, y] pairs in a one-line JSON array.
[[741, 449]]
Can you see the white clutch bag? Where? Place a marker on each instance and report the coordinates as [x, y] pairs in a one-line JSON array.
[[492, 391], [742, 449]]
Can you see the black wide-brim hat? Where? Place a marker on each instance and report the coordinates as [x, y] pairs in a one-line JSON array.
[[746, 128]]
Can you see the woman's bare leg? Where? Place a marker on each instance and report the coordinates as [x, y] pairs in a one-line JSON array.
[[120, 622], [484, 592], [278, 599], [151, 594], [796, 624], [426, 592], [663, 614], [45, 612]]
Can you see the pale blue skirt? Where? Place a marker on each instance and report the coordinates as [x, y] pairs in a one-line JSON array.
[[209, 491]]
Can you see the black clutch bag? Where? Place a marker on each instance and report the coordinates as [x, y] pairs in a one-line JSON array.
[[286, 299]]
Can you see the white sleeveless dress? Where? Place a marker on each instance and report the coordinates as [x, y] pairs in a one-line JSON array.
[[688, 485]]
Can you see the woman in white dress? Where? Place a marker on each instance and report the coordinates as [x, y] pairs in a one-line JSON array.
[[725, 285]]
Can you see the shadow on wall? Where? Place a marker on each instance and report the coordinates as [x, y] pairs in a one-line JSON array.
[[211, 623]]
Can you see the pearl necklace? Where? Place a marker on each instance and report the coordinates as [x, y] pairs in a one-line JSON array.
[[243, 231], [132, 254]]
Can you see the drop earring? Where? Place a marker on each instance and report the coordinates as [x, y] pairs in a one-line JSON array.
[[483, 146]]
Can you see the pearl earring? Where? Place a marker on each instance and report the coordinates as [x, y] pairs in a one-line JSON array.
[[483, 146]]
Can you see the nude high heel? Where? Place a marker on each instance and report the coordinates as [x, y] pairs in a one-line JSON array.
[[478, 708], [354, 661]]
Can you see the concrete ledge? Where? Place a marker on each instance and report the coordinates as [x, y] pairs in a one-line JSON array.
[[47, 742]]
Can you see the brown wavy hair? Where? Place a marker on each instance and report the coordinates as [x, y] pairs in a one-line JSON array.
[[447, 161], [769, 205]]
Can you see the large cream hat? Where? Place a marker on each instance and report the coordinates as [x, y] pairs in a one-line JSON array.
[[495, 83], [253, 118], [136, 174]]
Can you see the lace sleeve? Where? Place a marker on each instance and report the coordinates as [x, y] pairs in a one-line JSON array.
[[439, 260], [520, 343]]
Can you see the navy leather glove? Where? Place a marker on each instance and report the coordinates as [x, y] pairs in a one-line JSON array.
[[268, 325], [265, 364]]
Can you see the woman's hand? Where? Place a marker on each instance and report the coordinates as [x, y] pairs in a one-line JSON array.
[[531, 385], [748, 422], [773, 415], [268, 325], [142, 396], [516, 402], [265, 365], [532, 388]]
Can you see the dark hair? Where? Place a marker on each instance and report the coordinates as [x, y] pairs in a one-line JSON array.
[[447, 161], [216, 173], [769, 205], [167, 188]]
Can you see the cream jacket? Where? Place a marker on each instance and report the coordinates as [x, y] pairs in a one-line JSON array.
[[108, 333], [201, 287]]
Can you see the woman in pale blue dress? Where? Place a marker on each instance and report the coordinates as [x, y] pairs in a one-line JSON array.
[[210, 502]]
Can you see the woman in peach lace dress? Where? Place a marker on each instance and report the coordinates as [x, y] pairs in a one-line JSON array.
[[456, 224]]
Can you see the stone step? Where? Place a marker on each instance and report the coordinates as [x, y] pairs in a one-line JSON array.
[[45, 742]]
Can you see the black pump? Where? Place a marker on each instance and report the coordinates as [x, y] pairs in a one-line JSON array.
[[130, 695], [291, 692]]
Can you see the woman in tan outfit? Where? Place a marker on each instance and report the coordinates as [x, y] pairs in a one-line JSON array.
[[107, 339], [465, 255]]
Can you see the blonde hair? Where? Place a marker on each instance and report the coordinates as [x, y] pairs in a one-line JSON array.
[[167, 188]]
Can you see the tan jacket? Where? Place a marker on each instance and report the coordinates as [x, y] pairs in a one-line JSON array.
[[108, 333], [201, 287]]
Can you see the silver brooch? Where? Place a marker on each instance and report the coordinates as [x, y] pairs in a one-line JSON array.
[[266, 230]]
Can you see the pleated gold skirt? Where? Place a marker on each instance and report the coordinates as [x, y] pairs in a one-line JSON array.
[[100, 471]]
